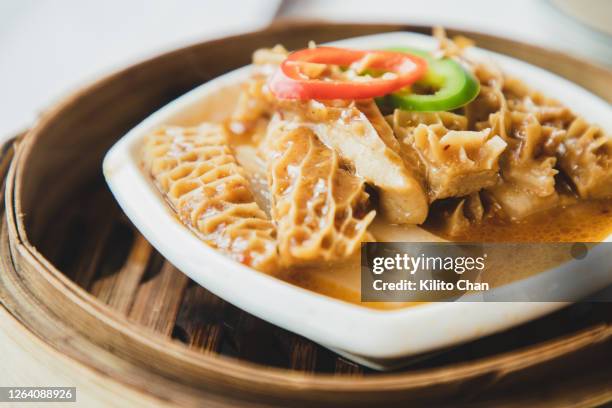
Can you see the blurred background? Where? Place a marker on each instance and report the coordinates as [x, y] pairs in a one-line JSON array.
[[50, 47]]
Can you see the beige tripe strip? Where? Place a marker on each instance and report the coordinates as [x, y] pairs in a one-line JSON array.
[[321, 210], [197, 172], [456, 162], [358, 133], [585, 155]]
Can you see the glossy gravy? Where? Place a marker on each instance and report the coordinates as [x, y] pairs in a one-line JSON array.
[[581, 221]]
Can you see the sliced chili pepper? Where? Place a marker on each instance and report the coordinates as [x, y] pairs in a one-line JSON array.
[[455, 87], [289, 83]]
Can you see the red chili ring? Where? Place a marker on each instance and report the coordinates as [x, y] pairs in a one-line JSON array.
[[288, 83]]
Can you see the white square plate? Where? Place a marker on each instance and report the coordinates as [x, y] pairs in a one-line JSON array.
[[376, 338]]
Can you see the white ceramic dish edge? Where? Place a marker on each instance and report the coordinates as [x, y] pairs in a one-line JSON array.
[[369, 334]]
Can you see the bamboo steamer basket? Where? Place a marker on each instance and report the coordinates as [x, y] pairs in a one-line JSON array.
[[84, 295]]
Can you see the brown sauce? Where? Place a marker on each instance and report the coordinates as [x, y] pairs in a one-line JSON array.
[[580, 221]]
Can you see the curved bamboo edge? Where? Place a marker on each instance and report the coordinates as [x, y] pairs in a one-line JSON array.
[[32, 361], [74, 306], [53, 330]]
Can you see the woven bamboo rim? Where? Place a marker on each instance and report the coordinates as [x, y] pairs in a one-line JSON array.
[[70, 319]]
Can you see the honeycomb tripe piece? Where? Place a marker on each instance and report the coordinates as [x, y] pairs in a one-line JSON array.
[[527, 167], [195, 169], [321, 210], [363, 139], [256, 103], [585, 155], [457, 162], [404, 122]]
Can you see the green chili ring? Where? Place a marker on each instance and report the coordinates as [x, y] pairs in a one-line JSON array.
[[455, 87]]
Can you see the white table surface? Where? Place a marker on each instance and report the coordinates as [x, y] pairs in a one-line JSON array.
[[50, 47]]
